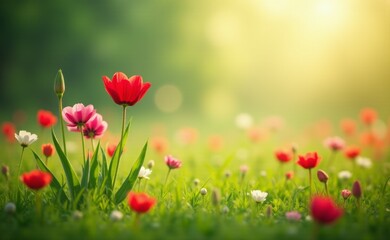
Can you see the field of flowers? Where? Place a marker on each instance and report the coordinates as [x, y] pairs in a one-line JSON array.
[[70, 177]]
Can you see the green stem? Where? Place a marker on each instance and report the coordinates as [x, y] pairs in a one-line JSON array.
[[166, 178], [38, 206], [93, 145], [310, 182], [326, 188], [82, 142], [20, 162], [62, 122], [123, 120]]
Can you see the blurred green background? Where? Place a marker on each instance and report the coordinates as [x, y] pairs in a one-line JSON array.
[[207, 60]]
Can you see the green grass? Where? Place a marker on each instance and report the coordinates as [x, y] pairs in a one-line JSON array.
[[181, 212]]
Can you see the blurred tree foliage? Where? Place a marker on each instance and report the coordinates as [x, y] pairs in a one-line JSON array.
[[87, 39]]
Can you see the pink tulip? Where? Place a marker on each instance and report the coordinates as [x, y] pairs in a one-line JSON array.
[[95, 127], [77, 116]]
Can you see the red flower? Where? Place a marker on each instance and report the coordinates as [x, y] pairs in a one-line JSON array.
[[368, 116], [348, 126], [46, 119], [125, 91], [140, 202], [357, 189], [283, 156], [48, 149], [111, 149], [172, 162], [159, 144], [289, 175], [310, 160], [9, 131], [352, 152], [324, 210], [36, 179]]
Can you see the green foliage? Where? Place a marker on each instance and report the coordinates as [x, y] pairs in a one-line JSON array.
[[128, 184], [73, 182], [114, 164]]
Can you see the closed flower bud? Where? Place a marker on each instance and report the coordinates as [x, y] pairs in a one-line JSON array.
[[203, 191], [269, 211], [59, 84], [196, 182], [10, 208], [5, 170], [77, 215], [225, 209], [215, 197], [150, 164], [345, 194], [116, 216], [357, 189], [322, 176]]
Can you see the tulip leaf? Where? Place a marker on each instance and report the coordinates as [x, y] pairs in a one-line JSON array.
[[114, 164], [54, 184], [128, 184], [94, 171], [71, 177], [85, 176]]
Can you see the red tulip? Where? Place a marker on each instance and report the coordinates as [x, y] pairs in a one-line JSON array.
[[140, 202], [368, 116], [46, 119], [48, 149], [309, 161], [125, 91], [324, 210], [283, 156], [352, 152], [8, 130], [36, 179]]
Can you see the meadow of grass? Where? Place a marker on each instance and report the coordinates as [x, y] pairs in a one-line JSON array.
[[229, 166]]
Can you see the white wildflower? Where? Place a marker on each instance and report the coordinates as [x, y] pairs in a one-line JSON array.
[[363, 162], [259, 196], [25, 138], [344, 175], [144, 173]]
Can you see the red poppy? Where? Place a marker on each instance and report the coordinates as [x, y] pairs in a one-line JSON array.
[[283, 156], [368, 116], [352, 152], [36, 179], [8, 130], [310, 160], [140, 202], [324, 210], [48, 149], [125, 91], [289, 175], [46, 118], [348, 126]]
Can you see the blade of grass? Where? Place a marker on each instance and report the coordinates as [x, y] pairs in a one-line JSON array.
[[128, 184]]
